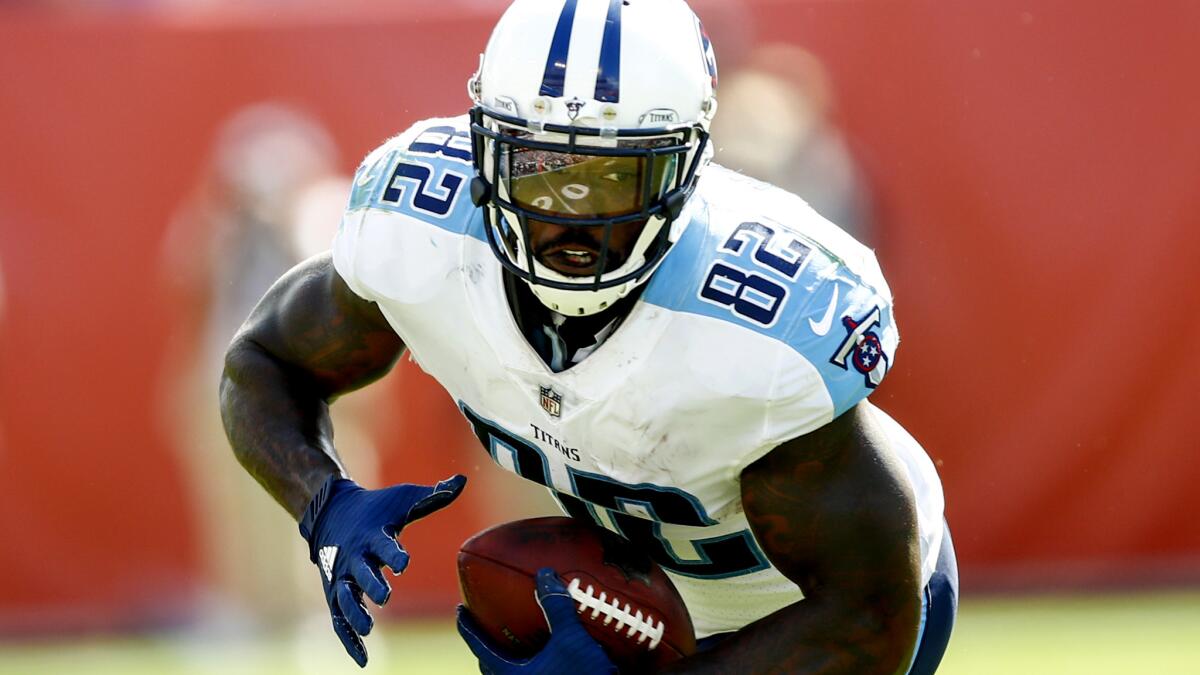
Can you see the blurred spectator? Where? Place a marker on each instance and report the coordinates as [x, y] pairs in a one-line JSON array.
[[270, 197], [774, 125]]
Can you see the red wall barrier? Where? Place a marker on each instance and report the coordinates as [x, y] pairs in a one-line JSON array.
[[1035, 170]]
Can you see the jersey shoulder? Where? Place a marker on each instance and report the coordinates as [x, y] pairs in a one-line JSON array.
[[760, 258], [424, 172], [410, 191]]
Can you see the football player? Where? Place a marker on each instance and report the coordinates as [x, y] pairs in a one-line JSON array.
[[681, 354]]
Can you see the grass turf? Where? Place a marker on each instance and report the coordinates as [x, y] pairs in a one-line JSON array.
[[1145, 633]]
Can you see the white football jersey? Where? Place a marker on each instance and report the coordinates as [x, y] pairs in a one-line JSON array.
[[763, 323]]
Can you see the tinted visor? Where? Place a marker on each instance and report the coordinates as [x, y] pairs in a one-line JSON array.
[[552, 183]]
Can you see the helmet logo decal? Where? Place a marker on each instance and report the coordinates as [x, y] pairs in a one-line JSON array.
[[573, 108], [608, 78], [556, 62], [658, 117]]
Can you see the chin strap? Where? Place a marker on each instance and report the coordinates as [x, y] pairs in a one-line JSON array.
[[675, 202], [480, 191]]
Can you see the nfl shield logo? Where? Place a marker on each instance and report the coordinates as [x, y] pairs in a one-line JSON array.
[[551, 402]]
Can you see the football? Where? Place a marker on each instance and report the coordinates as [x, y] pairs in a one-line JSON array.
[[623, 598]]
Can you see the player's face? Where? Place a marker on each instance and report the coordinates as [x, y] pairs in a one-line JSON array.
[[584, 186]]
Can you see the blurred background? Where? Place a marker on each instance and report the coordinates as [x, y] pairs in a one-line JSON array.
[[1027, 173]]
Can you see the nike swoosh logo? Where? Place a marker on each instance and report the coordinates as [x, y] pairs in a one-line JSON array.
[[821, 328]]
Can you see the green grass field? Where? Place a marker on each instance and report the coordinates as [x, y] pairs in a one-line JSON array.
[[1138, 634]]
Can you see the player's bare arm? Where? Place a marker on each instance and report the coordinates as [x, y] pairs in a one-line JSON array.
[[309, 340], [832, 512]]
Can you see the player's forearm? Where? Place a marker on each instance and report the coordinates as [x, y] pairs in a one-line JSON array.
[[810, 638], [278, 425]]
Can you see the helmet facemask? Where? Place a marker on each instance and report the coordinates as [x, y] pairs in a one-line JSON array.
[[603, 186]]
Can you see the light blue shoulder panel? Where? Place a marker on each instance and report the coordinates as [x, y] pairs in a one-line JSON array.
[[424, 173], [772, 279]]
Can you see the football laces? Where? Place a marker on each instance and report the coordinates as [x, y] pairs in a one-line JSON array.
[[642, 625]]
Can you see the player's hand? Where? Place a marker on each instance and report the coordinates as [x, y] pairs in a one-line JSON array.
[[351, 534], [570, 649]]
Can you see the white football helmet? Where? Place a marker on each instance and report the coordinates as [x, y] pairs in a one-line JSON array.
[[590, 114]]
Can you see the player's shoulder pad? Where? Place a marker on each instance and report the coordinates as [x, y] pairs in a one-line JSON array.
[[780, 270], [423, 172], [416, 180]]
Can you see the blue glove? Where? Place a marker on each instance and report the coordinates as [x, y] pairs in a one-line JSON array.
[[570, 649], [351, 533]]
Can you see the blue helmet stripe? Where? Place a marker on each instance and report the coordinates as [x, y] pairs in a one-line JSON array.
[[608, 79], [556, 61]]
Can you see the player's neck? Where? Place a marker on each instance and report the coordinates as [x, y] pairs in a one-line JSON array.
[[562, 341]]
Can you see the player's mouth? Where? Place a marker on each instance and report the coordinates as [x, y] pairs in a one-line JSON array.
[[573, 259]]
